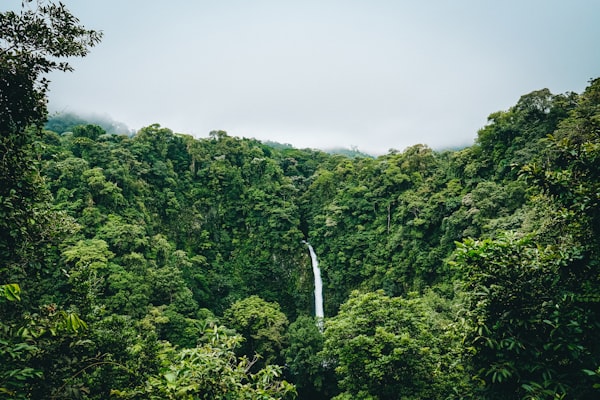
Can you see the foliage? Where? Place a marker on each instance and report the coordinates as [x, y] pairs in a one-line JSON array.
[[32, 43], [534, 303], [306, 366], [529, 332], [26, 346], [390, 347], [118, 249], [175, 229], [211, 371], [261, 324]]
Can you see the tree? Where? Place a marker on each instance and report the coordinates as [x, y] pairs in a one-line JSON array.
[[28, 349], [306, 365], [87, 262], [529, 329], [263, 326], [512, 137], [33, 42], [533, 307], [211, 371], [570, 173], [391, 347]]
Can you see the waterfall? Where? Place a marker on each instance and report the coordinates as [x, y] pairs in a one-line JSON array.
[[318, 286]]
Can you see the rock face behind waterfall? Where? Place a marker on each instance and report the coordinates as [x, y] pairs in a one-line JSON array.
[[318, 284]]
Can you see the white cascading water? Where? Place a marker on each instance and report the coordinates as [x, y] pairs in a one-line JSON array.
[[318, 286]]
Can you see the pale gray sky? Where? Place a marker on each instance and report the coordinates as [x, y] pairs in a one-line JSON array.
[[376, 74]]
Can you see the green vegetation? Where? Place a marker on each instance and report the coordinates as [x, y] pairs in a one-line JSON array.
[[162, 266]]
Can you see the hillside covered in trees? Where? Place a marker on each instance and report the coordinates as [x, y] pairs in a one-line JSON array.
[[163, 266]]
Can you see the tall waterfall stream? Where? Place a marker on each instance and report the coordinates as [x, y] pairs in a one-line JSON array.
[[318, 287]]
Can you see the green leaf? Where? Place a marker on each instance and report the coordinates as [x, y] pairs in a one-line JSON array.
[[12, 291]]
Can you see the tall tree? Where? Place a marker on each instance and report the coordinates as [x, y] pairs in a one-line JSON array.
[[390, 347], [262, 325], [534, 308], [33, 42]]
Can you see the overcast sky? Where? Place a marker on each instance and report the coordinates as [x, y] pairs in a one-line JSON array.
[[376, 74]]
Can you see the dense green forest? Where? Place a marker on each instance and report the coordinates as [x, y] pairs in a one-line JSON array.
[[157, 265]]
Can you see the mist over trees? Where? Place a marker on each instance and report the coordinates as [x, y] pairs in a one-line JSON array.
[[62, 122], [162, 266]]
